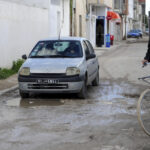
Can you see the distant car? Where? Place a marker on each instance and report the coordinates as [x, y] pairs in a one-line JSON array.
[[133, 34], [147, 31], [140, 31], [65, 65]]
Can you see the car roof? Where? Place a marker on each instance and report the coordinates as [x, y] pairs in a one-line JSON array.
[[65, 38], [133, 30]]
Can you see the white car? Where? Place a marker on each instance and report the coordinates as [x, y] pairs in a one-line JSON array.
[[65, 65]]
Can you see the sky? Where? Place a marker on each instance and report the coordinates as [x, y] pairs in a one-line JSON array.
[[147, 6]]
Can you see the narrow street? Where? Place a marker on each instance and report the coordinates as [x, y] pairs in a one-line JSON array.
[[106, 120]]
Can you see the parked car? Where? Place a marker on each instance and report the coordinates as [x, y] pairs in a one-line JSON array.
[[140, 31], [65, 65], [147, 31], [133, 34]]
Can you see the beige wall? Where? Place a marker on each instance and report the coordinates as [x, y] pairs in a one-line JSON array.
[[80, 11], [93, 1], [109, 3]]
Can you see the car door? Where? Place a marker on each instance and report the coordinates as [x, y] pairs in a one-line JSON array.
[[94, 61], [88, 61]]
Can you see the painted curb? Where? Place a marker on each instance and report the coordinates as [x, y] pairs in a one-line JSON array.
[[8, 90]]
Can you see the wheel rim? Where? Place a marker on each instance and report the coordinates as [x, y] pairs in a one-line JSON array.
[[143, 111]]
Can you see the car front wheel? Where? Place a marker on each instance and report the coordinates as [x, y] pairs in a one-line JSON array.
[[24, 95], [96, 80], [83, 93]]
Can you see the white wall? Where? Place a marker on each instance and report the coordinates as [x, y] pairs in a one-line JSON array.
[[130, 15], [130, 8], [20, 28], [57, 14], [37, 3]]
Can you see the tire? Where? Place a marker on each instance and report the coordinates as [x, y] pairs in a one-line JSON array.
[[143, 111], [83, 93], [96, 80], [24, 95]]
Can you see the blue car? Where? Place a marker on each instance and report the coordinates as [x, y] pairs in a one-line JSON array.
[[140, 31], [133, 34]]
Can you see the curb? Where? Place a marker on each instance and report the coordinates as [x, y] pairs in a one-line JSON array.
[[8, 90], [105, 50]]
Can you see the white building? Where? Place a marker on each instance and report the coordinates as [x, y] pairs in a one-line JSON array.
[[130, 16], [24, 22], [21, 26], [97, 24], [59, 17]]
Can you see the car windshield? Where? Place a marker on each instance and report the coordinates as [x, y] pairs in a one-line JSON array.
[[57, 48], [134, 31]]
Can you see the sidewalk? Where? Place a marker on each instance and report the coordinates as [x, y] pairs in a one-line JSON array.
[[8, 84], [101, 50]]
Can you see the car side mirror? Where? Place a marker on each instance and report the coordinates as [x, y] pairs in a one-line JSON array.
[[90, 56], [24, 57]]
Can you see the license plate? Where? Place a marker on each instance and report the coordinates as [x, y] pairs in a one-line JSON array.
[[48, 81]]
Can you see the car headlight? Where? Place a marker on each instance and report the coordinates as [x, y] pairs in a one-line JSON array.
[[72, 71], [24, 71]]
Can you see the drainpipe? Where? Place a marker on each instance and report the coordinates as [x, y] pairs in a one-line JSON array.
[[90, 21], [71, 16], [125, 27], [149, 25], [49, 24], [62, 23]]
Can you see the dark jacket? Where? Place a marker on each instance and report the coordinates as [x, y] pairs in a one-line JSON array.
[[147, 57]]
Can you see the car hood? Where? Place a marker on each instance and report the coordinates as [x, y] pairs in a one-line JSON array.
[[51, 65]]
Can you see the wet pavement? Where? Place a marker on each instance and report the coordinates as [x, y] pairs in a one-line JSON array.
[[106, 120]]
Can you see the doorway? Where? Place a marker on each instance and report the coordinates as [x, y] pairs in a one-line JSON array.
[[100, 32]]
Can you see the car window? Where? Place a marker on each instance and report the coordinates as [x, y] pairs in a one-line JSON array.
[[61, 46], [86, 49], [57, 48], [90, 47]]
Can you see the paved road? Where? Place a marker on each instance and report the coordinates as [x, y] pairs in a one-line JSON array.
[[124, 63], [106, 120]]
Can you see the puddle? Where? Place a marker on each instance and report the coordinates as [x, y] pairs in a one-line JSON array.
[[14, 102], [18, 102], [130, 95]]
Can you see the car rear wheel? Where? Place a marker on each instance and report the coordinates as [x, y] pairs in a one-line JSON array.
[[24, 95], [96, 80], [83, 93]]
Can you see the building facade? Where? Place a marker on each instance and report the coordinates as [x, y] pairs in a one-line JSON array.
[[79, 9], [21, 26], [24, 23], [97, 23], [143, 14], [59, 18]]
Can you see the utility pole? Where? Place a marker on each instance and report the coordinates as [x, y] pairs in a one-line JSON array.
[[49, 17], [90, 22]]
